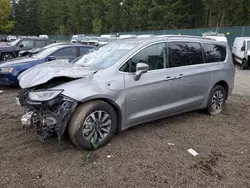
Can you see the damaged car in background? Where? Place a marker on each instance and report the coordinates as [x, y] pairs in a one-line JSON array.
[[125, 83], [11, 69]]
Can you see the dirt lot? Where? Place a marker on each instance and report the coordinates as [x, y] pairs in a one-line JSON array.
[[139, 157]]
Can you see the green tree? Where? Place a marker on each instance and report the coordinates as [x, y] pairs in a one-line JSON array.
[[26, 16], [6, 25]]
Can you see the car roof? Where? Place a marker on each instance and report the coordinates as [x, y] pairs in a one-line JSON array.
[[243, 38], [72, 44], [37, 38]]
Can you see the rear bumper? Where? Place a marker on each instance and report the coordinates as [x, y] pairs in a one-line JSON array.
[[8, 80]]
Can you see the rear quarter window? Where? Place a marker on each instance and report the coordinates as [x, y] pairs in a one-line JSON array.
[[40, 43], [214, 53]]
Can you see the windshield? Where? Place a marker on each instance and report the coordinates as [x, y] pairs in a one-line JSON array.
[[248, 45], [14, 43], [45, 52], [104, 56]]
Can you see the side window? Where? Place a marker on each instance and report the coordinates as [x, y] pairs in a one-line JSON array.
[[184, 54], [26, 44], [66, 53], [214, 53], [84, 50], [40, 43], [154, 56]]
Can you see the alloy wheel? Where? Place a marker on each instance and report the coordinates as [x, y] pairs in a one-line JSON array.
[[218, 100], [96, 127]]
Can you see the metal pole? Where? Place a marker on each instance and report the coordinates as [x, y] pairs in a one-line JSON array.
[[243, 30]]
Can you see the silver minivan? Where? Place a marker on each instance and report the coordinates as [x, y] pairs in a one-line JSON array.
[[125, 83]]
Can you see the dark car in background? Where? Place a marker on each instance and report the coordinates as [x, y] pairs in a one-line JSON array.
[[11, 69], [33, 51], [3, 38], [11, 50]]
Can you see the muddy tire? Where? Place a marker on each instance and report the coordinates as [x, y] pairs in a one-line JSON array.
[[244, 65], [92, 125], [7, 56], [216, 100]]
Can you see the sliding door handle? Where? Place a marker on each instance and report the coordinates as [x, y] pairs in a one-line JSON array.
[[179, 76], [169, 78]]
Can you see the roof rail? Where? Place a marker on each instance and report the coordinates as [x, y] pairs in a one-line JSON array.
[[186, 36]]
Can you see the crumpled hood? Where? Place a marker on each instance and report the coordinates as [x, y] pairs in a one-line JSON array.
[[42, 73]]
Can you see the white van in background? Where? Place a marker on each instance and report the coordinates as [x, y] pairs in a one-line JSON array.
[[44, 36], [222, 39], [127, 36], [74, 39], [241, 51]]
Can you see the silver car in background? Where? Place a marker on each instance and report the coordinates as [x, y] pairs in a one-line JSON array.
[[125, 83]]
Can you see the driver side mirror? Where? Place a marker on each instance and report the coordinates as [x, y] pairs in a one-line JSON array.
[[21, 46], [141, 68], [243, 48], [51, 58]]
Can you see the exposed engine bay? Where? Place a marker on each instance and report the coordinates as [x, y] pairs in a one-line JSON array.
[[49, 118]]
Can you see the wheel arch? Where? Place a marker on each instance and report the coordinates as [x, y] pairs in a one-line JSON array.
[[114, 105], [12, 53], [224, 84]]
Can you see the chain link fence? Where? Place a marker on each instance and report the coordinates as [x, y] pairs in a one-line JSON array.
[[230, 33]]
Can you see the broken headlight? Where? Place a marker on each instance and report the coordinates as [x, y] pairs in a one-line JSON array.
[[44, 95]]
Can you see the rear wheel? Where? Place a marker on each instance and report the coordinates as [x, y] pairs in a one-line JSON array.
[[92, 125], [216, 100], [7, 56]]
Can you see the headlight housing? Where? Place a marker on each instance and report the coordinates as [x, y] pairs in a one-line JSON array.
[[6, 69], [44, 95]]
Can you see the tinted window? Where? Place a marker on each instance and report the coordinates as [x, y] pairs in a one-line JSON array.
[[40, 44], [26, 43], [184, 54], [154, 56], [66, 53], [214, 53], [84, 51]]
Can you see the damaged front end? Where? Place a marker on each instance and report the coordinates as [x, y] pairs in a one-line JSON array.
[[48, 111]]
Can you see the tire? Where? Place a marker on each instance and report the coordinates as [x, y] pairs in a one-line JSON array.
[[244, 65], [216, 102], [7, 56], [82, 120]]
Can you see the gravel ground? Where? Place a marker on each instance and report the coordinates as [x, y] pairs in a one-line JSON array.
[[149, 155]]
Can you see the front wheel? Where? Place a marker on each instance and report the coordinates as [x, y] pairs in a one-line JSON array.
[[216, 100], [92, 125], [7, 56]]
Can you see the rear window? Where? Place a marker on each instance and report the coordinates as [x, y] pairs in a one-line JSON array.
[[214, 53], [40, 43], [184, 54]]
